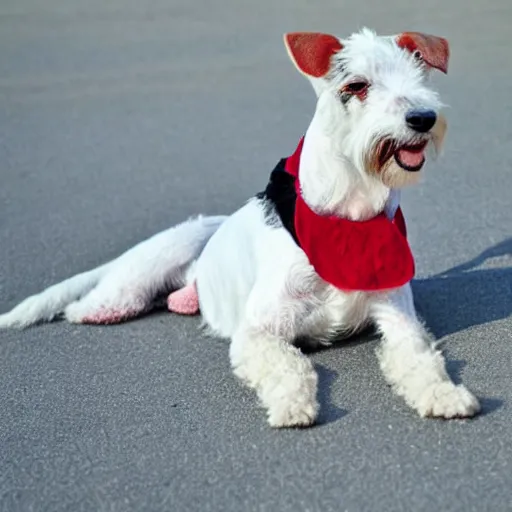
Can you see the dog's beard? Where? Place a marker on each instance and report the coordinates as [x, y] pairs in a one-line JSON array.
[[399, 163]]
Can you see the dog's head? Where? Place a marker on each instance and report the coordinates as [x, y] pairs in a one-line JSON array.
[[375, 105]]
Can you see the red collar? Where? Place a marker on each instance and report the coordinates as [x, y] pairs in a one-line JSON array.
[[371, 255]]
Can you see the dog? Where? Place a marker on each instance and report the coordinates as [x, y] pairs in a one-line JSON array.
[[321, 253]]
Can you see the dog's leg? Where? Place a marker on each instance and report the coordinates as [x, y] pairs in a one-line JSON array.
[[413, 366], [262, 352], [130, 288], [112, 301], [134, 280], [256, 288], [283, 377]]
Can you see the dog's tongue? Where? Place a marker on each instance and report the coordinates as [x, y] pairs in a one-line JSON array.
[[411, 157]]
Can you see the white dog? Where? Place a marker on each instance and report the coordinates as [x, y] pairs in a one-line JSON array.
[[321, 252]]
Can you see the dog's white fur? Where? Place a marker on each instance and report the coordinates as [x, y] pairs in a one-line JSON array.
[[256, 286]]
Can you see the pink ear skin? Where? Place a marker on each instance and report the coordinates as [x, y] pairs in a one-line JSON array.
[[434, 50], [311, 51]]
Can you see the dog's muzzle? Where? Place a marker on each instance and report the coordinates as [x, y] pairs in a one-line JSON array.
[[409, 157]]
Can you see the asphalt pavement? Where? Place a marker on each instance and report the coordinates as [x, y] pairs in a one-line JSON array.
[[121, 118]]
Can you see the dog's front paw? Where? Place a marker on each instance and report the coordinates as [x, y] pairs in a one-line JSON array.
[[446, 400], [291, 401], [297, 412]]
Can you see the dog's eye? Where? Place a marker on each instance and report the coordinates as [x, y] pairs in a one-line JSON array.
[[359, 89], [356, 87]]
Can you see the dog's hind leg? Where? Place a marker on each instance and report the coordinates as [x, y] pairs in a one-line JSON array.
[[184, 301], [111, 302], [142, 273], [124, 287]]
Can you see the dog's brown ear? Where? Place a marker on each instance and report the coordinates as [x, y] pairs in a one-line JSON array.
[[311, 52], [434, 50]]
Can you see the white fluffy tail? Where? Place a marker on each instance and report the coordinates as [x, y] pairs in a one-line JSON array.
[[46, 305], [124, 287]]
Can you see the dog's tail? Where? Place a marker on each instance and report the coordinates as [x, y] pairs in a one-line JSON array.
[[46, 305], [123, 287]]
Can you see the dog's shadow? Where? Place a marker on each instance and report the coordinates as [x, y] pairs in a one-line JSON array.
[[460, 298], [463, 297], [329, 412]]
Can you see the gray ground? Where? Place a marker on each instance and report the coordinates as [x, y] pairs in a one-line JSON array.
[[121, 118]]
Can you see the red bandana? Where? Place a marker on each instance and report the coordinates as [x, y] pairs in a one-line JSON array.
[[369, 255]]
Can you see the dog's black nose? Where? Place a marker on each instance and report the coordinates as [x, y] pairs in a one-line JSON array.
[[420, 120]]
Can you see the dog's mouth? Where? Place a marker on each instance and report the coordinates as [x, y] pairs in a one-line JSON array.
[[409, 157]]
